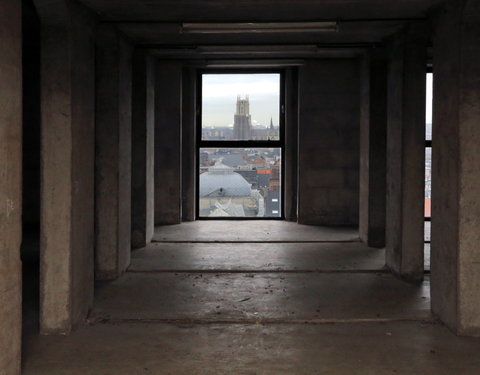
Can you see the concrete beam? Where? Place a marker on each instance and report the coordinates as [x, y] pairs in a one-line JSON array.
[[373, 150], [143, 126], [168, 120], [67, 175], [10, 186], [406, 153], [113, 125], [456, 172]]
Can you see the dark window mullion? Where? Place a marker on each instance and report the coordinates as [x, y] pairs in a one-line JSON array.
[[240, 144]]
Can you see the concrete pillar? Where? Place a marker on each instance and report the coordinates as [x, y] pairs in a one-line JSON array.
[[328, 142], [113, 125], [168, 119], [143, 105], [406, 153], [291, 144], [455, 272], [373, 150], [10, 185], [189, 154], [67, 175]]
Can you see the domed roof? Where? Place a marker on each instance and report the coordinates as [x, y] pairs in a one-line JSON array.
[[222, 181]]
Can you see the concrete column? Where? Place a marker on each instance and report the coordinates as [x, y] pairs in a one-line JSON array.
[[406, 153], [10, 186], [373, 151], [328, 142], [67, 171], [168, 119], [291, 144], [455, 272], [143, 105], [113, 125], [189, 154]]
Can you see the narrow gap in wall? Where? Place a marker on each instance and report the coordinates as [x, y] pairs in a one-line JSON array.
[[428, 166], [240, 145], [30, 250]]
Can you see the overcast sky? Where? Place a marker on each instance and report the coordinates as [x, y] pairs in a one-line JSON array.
[[219, 96], [428, 117]]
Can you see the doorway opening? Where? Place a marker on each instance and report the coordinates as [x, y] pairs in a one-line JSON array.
[[240, 145]]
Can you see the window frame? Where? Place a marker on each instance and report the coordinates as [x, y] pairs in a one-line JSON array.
[[200, 143]]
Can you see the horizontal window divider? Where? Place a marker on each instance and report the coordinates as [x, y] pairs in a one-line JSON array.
[[240, 144], [428, 143], [427, 218]]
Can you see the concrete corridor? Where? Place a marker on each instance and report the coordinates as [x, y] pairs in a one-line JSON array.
[[320, 300]]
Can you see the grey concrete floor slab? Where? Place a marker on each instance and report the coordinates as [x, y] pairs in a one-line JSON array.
[[397, 348], [257, 257], [252, 230], [243, 297]]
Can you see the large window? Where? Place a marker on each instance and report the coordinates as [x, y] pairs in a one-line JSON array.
[[240, 145], [428, 156]]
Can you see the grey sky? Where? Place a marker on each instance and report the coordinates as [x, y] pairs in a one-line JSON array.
[[428, 117], [219, 95]]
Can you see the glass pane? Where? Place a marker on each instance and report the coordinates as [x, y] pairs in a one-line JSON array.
[[428, 226], [428, 181], [240, 106], [428, 113], [240, 182]]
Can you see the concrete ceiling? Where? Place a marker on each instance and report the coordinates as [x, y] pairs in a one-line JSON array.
[[158, 22], [257, 10]]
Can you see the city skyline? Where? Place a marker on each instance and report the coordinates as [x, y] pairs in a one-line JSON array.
[[220, 92]]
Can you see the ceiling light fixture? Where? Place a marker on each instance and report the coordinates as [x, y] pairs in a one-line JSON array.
[[259, 27]]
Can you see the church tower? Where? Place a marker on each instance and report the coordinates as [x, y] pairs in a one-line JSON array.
[[242, 124]]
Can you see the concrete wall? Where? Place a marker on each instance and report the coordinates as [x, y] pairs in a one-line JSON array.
[[113, 125], [328, 185], [406, 152], [455, 170], [67, 211], [373, 150], [168, 120], [10, 185], [143, 126]]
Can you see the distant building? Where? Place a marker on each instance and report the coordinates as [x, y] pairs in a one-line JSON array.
[[242, 124], [226, 193], [272, 203]]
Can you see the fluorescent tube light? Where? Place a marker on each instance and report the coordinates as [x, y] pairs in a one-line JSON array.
[[259, 27]]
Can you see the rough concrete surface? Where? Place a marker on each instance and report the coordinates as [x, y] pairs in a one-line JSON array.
[[68, 116], [399, 348], [113, 123], [406, 152], [373, 150], [168, 142], [10, 185], [328, 142], [252, 230], [143, 126], [265, 296], [455, 172], [258, 257]]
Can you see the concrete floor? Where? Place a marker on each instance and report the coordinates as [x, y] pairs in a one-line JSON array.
[[252, 230], [396, 348], [257, 308]]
